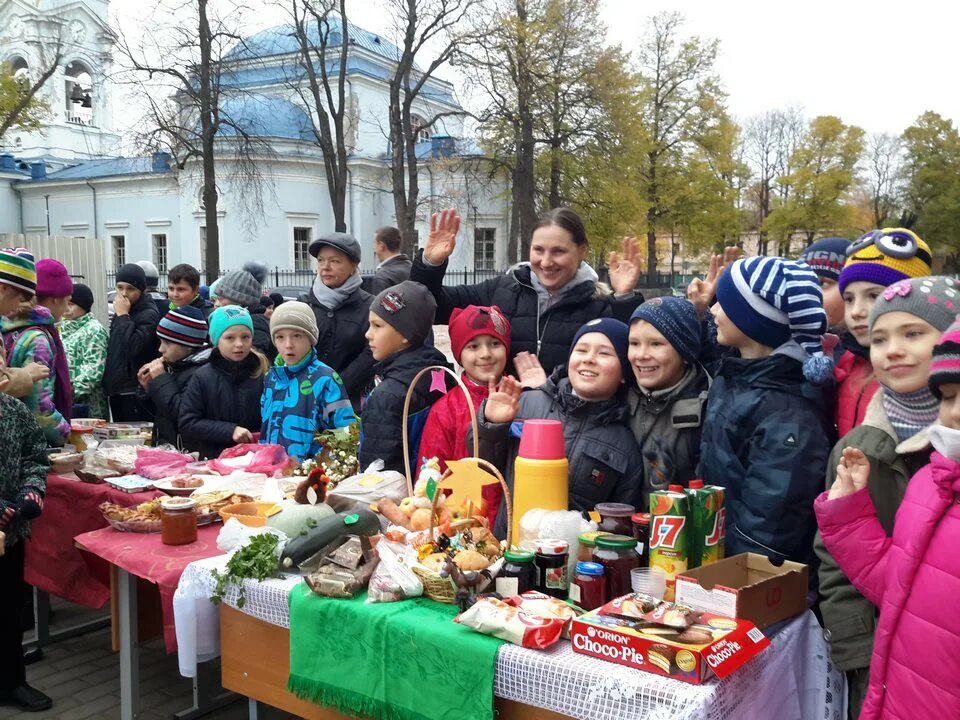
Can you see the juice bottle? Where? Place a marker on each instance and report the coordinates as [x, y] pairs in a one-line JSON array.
[[541, 471]]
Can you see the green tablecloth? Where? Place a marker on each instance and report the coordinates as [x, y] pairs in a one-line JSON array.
[[406, 660]]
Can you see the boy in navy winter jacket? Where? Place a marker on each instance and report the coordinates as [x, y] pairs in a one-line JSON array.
[[301, 395], [768, 428]]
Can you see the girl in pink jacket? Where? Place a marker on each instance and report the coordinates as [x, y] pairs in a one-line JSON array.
[[913, 577]]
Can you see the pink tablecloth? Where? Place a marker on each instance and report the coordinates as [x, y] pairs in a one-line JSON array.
[[143, 555], [53, 562]]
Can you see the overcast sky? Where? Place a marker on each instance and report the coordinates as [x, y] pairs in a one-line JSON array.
[[875, 64]]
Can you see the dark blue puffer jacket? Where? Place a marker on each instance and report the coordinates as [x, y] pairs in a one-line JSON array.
[[766, 438]]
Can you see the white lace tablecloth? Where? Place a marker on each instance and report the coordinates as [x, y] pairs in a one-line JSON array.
[[794, 679]]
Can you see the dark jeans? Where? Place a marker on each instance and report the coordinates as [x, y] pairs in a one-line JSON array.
[[126, 408], [11, 628]]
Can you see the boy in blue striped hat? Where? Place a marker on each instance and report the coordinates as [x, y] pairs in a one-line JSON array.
[[183, 351], [768, 428]]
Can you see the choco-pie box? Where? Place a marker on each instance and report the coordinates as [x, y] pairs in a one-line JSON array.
[[713, 646]]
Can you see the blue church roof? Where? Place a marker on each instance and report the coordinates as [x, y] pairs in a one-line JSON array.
[[107, 167], [264, 116], [280, 40]]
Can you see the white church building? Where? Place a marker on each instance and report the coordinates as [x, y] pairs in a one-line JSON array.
[[70, 180]]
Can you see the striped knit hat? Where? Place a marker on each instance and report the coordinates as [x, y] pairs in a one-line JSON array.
[[18, 269], [771, 300], [945, 365], [885, 256], [184, 326]]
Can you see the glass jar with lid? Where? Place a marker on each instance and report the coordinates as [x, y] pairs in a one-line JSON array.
[[587, 542], [518, 574], [589, 588], [615, 518], [178, 521], [618, 555]]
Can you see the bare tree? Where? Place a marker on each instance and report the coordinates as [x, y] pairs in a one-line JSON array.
[[20, 103], [769, 139], [421, 25], [321, 31], [881, 171], [505, 60], [180, 68]]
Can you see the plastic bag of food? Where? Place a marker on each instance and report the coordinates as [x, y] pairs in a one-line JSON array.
[[253, 458], [367, 487], [508, 622], [160, 462], [393, 579]]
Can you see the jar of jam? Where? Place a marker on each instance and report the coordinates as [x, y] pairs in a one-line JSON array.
[[588, 541], [551, 564], [615, 517], [589, 588], [618, 555], [178, 521], [518, 574], [641, 531]]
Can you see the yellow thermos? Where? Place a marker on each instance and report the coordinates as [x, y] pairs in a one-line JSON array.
[[541, 471]]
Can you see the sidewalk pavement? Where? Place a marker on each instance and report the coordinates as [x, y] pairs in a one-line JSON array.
[[82, 675]]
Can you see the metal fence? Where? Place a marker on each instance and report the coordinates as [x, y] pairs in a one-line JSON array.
[[284, 278]]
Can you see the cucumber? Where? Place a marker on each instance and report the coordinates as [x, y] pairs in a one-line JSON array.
[[302, 548]]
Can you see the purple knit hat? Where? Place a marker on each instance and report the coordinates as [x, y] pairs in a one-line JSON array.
[[945, 365], [53, 280]]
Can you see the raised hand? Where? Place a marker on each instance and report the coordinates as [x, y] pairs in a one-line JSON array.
[[625, 267], [529, 370], [852, 474], [443, 236], [503, 402], [701, 292]]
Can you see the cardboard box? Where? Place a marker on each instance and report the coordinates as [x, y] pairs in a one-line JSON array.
[[747, 587], [659, 650]]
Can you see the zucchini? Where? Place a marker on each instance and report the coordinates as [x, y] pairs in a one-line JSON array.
[[302, 548]]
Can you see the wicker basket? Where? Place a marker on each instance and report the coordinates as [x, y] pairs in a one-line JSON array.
[[436, 587]]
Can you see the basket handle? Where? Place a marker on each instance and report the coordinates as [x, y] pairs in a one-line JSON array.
[[406, 415], [490, 468]]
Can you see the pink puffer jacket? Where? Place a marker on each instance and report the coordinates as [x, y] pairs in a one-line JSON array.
[[856, 386], [914, 578]]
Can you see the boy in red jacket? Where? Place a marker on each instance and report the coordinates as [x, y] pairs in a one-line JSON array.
[[480, 340]]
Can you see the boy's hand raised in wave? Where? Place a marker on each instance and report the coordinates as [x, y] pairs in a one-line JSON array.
[[503, 403]]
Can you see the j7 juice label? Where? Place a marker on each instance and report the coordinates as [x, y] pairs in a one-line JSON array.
[[708, 530], [669, 535]]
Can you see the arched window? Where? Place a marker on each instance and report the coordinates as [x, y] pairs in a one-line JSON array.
[[79, 93], [422, 133], [20, 68]]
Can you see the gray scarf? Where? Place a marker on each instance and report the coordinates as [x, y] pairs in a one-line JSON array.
[[546, 299], [332, 298]]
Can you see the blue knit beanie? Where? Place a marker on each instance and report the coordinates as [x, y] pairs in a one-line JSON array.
[[616, 332], [773, 300], [826, 257], [677, 320], [226, 317]]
